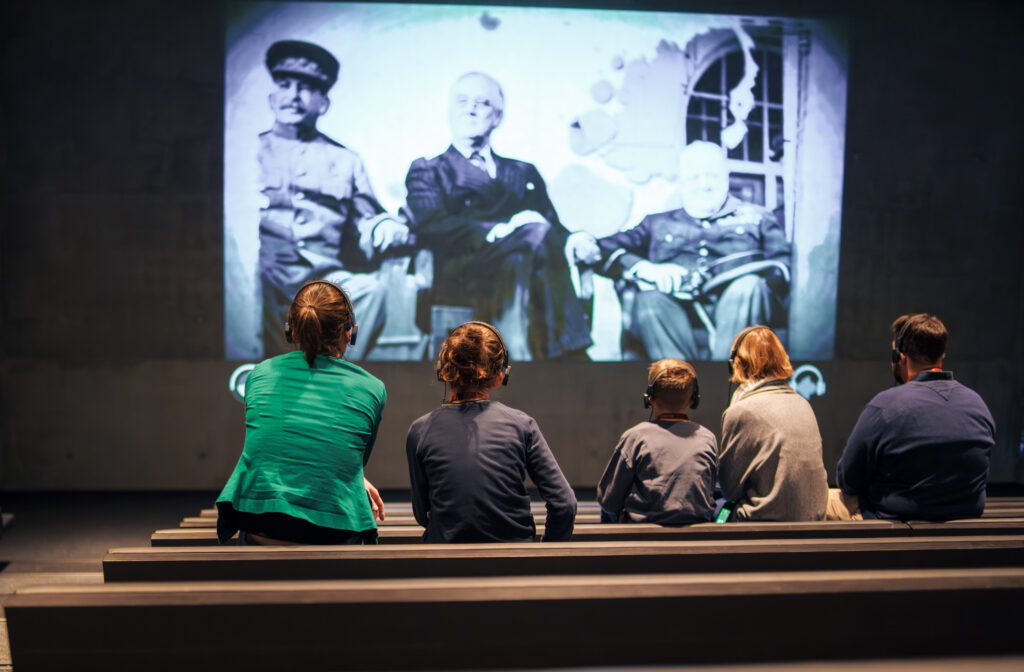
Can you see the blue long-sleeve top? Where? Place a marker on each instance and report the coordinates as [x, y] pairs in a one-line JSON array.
[[920, 451], [468, 464]]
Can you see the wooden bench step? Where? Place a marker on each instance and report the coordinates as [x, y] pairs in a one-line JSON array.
[[644, 532], [254, 563], [413, 534], [582, 518], [405, 509], [1005, 507], [517, 622]]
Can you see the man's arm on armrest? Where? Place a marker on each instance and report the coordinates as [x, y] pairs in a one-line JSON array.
[[623, 250]]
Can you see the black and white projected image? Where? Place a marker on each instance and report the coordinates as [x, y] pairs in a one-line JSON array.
[[601, 185]]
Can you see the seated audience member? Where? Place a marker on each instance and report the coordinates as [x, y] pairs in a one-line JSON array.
[[311, 419], [468, 459], [770, 464], [663, 470], [920, 450]]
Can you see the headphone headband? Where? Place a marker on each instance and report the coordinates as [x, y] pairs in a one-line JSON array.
[[897, 348], [694, 400], [351, 326], [505, 366]]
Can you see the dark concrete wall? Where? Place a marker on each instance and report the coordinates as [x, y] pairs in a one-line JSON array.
[[112, 373]]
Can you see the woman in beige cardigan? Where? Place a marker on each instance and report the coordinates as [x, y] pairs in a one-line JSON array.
[[770, 463]]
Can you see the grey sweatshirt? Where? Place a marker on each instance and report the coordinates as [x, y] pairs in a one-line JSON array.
[[770, 459], [662, 472]]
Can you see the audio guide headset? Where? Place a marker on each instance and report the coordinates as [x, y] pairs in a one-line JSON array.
[[897, 347], [351, 326], [506, 366], [694, 400]]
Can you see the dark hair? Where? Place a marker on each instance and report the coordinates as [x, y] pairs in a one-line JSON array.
[[319, 316], [470, 358], [922, 337], [676, 381]]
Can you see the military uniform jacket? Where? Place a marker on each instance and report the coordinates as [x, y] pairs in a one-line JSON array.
[[319, 205], [698, 244]]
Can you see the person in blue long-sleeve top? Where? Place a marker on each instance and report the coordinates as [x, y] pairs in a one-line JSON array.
[[920, 450], [469, 459]]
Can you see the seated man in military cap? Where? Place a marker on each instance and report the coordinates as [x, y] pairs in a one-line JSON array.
[[321, 219], [717, 261]]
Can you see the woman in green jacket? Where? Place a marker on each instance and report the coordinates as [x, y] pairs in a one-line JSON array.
[[311, 419]]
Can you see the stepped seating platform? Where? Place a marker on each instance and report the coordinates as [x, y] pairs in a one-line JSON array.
[[516, 622], [269, 563]]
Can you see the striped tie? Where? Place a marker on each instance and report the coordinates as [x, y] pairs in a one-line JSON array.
[[477, 160]]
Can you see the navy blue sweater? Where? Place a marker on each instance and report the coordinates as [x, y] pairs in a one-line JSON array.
[[920, 451], [468, 464]]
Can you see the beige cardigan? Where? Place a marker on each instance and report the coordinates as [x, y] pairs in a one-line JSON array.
[[770, 457]]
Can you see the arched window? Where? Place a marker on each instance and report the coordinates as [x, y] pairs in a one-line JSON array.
[[756, 163]]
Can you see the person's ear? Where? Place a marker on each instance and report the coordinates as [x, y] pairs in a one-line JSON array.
[[498, 380], [325, 104]]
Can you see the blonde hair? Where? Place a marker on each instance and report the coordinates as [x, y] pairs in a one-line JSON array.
[[758, 355], [673, 382]]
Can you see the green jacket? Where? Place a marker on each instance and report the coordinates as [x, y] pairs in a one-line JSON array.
[[309, 431]]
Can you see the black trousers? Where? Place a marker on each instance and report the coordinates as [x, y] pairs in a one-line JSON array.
[[283, 527]]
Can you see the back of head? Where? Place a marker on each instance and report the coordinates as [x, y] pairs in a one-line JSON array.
[[921, 337], [672, 383], [471, 358], [318, 319], [757, 354]]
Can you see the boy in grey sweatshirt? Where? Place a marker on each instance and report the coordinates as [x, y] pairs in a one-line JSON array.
[[663, 471]]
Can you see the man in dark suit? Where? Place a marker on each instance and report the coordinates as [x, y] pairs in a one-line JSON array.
[[497, 242]]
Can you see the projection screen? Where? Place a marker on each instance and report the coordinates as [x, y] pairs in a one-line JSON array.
[[609, 185]]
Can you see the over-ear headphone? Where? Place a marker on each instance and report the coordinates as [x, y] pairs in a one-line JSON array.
[[897, 348], [351, 327], [505, 366], [694, 400], [739, 339]]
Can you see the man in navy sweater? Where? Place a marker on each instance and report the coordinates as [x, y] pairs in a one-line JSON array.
[[920, 450]]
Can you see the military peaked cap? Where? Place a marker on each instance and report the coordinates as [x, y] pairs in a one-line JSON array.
[[305, 60]]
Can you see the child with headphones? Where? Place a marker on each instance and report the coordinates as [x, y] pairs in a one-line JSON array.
[[311, 419], [770, 464], [468, 459], [664, 470]]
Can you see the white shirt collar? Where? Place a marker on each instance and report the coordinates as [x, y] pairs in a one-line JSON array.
[[485, 152]]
